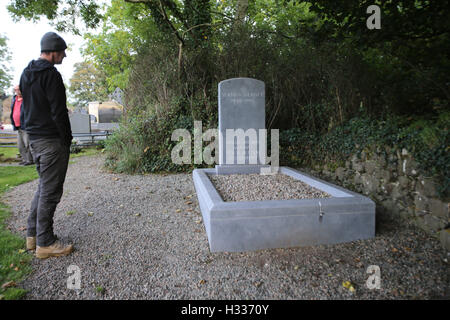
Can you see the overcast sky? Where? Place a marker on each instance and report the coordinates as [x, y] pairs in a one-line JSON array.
[[24, 39]]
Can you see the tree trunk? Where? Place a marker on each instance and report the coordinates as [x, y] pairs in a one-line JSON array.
[[242, 6]]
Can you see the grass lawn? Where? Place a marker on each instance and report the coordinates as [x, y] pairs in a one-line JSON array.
[[14, 259], [85, 152], [8, 153]]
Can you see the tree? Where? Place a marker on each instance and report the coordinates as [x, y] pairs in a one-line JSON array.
[[125, 30], [5, 57], [415, 34], [87, 84]]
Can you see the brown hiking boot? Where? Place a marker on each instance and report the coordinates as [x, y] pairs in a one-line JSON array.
[[57, 249], [31, 243]]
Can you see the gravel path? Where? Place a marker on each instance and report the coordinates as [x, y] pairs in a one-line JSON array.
[[141, 237]]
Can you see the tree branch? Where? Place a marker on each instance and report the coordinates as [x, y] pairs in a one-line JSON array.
[[168, 21]]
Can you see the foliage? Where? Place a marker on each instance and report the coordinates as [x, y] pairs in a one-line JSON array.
[[409, 54], [427, 138], [64, 14], [125, 29], [5, 56], [142, 143], [87, 84]]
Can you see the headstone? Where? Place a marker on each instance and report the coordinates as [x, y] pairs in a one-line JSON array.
[[117, 96], [241, 116], [80, 123]]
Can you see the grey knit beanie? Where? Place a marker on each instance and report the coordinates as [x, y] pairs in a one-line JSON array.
[[52, 42]]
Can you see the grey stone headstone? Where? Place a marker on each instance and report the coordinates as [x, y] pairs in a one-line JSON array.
[[241, 106], [80, 123]]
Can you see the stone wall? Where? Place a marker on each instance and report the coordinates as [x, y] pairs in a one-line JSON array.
[[393, 180]]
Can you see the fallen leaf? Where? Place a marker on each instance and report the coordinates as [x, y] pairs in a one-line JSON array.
[[348, 285], [16, 269], [8, 284], [87, 188], [394, 250], [258, 284], [178, 210], [137, 214], [21, 250], [116, 179], [90, 213], [188, 202], [295, 267], [202, 281]]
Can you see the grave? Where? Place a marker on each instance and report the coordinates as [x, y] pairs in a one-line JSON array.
[[83, 131], [81, 128], [253, 225]]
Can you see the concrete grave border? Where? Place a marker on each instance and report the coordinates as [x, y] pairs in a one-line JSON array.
[[255, 225]]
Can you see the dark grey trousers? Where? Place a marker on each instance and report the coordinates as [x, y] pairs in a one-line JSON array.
[[23, 143], [51, 158]]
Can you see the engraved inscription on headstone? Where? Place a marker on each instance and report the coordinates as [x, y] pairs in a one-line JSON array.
[[241, 106]]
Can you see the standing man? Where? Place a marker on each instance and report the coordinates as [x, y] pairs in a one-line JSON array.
[[46, 120], [22, 136]]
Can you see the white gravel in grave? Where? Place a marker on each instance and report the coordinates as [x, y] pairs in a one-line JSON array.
[[257, 187]]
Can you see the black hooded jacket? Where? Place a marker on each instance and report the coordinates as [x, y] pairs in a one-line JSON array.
[[44, 111]]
